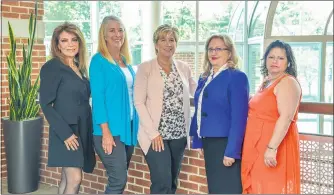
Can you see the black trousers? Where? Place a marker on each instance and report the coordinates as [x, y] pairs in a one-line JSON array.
[[165, 166], [221, 179]]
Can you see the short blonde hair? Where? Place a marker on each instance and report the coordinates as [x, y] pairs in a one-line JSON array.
[[102, 45], [232, 62], [81, 57], [162, 30]]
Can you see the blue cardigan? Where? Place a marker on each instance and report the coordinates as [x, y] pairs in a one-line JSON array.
[[110, 100], [224, 110]]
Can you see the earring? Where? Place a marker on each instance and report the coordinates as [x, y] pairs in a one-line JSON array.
[[289, 64]]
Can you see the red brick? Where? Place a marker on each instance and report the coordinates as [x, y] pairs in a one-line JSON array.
[[197, 179], [132, 165], [204, 189], [202, 171], [143, 182], [56, 176], [189, 169], [98, 172], [181, 191], [5, 46], [136, 158], [185, 160], [183, 176], [51, 181], [10, 15], [90, 177], [147, 176], [134, 188], [24, 16], [85, 183], [196, 162], [102, 180], [141, 167], [191, 153], [131, 180], [5, 8], [100, 165], [136, 173], [189, 185], [97, 186], [147, 191], [38, 59], [138, 151], [7, 2], [39, 47], [89, 190], [20, 10], [53, 169], [27, 4]]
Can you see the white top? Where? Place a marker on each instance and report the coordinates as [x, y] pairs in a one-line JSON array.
[[129, 83], [199, 105]]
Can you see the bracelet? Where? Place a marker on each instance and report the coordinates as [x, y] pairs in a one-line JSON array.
[[271, 148]]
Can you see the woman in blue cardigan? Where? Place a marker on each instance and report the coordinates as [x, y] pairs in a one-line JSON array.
[[115, 121], [221, 107]]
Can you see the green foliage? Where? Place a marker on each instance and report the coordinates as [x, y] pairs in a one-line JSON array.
[[71, 11], [22, 94]]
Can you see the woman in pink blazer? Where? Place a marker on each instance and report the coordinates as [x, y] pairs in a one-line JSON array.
[[162, 91]]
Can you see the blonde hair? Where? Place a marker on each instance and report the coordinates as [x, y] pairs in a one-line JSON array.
[[81, 57], [232, 62], [163, 30], [102, 45]]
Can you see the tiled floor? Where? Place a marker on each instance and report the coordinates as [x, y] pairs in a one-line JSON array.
[[43, 188]]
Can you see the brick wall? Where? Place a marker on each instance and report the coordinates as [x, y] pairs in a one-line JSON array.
[[17, 10], [192, 177]]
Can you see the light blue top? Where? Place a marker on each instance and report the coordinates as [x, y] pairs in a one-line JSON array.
[[110, 99]]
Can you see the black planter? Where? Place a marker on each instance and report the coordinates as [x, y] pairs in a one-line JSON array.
[[23, 151]]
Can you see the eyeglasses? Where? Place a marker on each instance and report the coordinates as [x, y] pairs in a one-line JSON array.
[[217, 50]]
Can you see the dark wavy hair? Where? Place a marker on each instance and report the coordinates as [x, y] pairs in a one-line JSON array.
[[292, 66]]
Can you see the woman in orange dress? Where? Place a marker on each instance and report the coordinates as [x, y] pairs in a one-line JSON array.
[[270, 157]]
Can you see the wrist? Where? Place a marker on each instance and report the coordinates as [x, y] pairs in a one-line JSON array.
[[271, 148]]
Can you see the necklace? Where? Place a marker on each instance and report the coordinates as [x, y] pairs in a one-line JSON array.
[[269, 81], [75, 69]]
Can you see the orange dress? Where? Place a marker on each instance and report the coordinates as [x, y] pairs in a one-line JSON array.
[[256, 177]]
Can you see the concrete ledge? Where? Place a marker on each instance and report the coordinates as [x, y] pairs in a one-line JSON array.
[[20, 27]]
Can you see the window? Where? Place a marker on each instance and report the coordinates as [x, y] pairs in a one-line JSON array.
[[330, 27], [329, 74], [301, 18], [258, 21], [130, 13], [308, 57], [76, 12]]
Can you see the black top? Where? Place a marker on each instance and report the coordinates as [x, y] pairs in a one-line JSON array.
[[64, 99]]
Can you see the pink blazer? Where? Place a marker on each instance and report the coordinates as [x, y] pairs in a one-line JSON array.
[[148, 97]]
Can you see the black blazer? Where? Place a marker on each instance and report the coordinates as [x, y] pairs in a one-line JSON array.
[[64, 99]]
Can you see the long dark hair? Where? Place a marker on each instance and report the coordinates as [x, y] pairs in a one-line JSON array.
[[292, 66], [81, 57]]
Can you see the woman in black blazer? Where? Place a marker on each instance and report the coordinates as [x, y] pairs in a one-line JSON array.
[[64, 99]]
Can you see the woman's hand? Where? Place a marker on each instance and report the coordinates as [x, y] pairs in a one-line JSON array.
[[158, 144], [270, 157], [228, 161], [72, 142], [108, 142]]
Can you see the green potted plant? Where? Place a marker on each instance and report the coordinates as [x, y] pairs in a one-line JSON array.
[[23, 128]]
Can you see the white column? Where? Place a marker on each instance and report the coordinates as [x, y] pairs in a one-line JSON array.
[[94, 18], [150, 21]]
